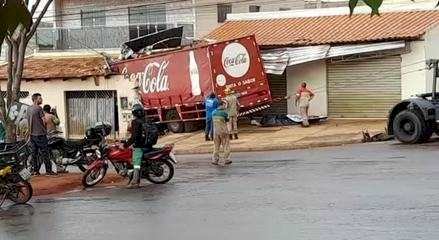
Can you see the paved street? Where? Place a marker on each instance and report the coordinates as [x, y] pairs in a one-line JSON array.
[[369, 191]]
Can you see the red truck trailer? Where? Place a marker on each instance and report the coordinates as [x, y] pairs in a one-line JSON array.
[[172, 86]]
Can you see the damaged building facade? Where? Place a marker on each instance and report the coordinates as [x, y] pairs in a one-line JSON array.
[[358, 66]]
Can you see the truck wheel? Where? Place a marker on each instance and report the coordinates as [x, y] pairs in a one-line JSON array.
[[191, 126], [409, 127], [175, 127]]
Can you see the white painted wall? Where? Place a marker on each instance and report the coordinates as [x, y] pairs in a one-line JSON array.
[[314, 74], [431, 52], [206, 11], [413, 80], [53, 93]]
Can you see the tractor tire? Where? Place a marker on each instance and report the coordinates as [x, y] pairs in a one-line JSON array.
[[410, 127], [175, 127]]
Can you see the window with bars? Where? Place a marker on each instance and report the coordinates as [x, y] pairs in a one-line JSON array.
[[254, 8], [222, 11], [93, 18], [145, 20]]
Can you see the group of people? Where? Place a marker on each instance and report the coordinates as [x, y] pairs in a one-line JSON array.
[[222, 123], [41, 121], [222, 119]]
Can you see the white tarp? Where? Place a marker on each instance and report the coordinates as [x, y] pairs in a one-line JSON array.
[[276, 60]]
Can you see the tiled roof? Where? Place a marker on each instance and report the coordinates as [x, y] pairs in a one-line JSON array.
[[59, 68], [330, 29]]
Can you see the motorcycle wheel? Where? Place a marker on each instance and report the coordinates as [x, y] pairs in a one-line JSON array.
[[22, 193], [160, 172], [93, 176]]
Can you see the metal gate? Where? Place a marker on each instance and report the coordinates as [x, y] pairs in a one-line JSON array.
[[278, 88], [85, 108], [364, 88]]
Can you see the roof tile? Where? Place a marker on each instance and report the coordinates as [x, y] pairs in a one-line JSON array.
[[330, 29]]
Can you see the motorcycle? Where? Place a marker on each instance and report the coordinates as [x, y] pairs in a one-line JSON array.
[[78, 153], [157, 165], [14, 176]]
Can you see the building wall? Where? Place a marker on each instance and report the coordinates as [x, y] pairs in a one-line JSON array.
[[413, 78], [314, 74], [118, 16], [206, 11], [53, 93], [431, 52]]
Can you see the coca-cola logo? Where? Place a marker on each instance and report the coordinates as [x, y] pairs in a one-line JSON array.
[[153, 79], [236, 60]]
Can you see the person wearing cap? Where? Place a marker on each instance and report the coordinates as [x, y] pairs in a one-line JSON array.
[[221, 134], [232, 110]]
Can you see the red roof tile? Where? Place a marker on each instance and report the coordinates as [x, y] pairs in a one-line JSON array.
[[330, 29], [50, 68]]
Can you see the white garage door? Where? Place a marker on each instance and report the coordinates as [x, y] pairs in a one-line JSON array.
[[364, 88]]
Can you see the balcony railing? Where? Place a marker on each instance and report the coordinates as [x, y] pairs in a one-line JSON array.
[[105, 37]]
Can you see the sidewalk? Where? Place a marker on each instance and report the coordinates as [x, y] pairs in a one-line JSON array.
[[47, 185], [252, 138]]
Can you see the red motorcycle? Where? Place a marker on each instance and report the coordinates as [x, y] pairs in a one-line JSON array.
[[157, 165]]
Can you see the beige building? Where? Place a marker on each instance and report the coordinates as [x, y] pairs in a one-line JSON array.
[[80, 90]]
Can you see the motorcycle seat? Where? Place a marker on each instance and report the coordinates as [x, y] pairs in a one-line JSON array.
[[151, 153], [76, 143]]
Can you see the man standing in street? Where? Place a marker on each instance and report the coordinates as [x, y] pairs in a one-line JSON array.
[[221, 135], [210, 104], [232, 111], [38, 136]]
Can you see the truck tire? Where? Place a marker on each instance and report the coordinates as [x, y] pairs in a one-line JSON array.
[[410, 127], [175, 127], [191, 126]]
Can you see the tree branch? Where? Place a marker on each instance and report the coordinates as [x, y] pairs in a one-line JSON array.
[[37, 22], [34, 7]]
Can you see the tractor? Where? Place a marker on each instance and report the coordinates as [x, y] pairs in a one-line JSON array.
[[414, 120]]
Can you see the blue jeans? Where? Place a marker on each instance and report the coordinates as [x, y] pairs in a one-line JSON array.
[[209, 128]]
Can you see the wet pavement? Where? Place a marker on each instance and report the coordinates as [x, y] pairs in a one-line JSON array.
[[369, 191]]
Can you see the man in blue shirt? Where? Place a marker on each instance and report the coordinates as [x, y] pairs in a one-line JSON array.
[[211, 103]]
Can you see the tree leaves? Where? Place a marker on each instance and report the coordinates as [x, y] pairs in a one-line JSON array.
[[12, 14], [373, 4]]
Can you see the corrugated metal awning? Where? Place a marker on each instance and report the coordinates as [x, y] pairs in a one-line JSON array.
[[276, 60]]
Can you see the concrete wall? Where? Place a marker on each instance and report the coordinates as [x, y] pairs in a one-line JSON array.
[[413, 78], [314, 73], [176, 12], [206, 11], [431, 52], [53, 93]]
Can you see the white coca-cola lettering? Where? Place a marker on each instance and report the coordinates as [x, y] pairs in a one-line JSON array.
[[153, 79], [235, 60]]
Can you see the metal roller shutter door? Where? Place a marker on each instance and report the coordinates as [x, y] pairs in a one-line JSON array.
[[278, 88], [364, 88]]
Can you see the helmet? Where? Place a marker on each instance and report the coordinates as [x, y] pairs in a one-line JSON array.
[[138, 111]]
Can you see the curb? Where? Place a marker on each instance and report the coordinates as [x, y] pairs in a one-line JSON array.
[[293, 146]]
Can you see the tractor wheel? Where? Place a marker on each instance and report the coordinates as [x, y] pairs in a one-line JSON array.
[[410, 127]]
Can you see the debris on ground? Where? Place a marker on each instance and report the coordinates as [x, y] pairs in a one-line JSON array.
[[380, 137]]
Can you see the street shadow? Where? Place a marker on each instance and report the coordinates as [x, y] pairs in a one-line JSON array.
[[434, 141], [16, 210]]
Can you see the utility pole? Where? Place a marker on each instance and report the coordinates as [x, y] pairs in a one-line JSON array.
[[433, 64]]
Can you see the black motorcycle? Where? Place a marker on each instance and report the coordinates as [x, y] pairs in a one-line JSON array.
[[14, 176], [78, 153]]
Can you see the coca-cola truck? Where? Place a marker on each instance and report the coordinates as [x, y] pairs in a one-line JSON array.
[[172, 86]]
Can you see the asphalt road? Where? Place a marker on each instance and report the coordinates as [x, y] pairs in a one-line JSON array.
[[367, 191]]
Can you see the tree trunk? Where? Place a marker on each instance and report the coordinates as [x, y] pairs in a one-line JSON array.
[[11, 135]]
